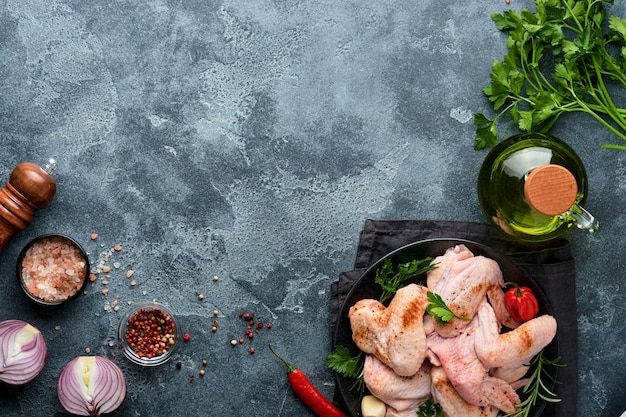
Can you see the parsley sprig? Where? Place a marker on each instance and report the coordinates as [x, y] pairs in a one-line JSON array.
[[439, 310], [391, 280], [536, 388], [430, 408], [341, 361], [560, 60]]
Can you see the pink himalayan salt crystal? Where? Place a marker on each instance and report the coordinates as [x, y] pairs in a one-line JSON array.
[[53, 269]]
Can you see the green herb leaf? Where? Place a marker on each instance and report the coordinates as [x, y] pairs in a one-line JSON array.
[[391, 280], [439, 310], [341, 361], [560, 60], [430, 409]]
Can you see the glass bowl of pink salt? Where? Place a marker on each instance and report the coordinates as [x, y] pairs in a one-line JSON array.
[[52, 269], [149, 333]]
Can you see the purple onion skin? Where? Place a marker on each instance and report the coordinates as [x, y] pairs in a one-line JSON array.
[[91, 386], [18, 368]]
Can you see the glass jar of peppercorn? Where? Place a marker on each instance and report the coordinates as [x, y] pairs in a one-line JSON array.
[[148, 334]]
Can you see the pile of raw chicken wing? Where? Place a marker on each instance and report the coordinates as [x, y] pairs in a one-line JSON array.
[[470, 367]]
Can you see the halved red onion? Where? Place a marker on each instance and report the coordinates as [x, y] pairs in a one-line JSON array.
[[23, 352], [91, 386]]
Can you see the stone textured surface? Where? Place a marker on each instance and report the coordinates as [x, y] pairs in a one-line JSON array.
[[250, 140]]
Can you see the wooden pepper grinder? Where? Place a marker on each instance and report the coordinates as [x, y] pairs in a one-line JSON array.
[[29, 188]]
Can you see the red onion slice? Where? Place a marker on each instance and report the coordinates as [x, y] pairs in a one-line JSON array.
[[23, 352], [91, 386]]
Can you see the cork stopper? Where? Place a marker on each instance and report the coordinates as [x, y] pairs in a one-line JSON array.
[[550, 189]]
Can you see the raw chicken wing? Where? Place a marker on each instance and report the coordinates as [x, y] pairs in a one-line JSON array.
[[469, 376], [402, 394], [511, 350], [452, 404], [394, 334], [465, 281]]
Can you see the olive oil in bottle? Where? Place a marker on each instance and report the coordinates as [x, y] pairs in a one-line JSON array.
[[531, 186]]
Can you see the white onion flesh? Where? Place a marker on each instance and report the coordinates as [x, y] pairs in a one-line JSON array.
[[23, 352], [91, 386]]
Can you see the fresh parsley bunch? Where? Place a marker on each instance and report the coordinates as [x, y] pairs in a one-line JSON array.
[[560, 60]]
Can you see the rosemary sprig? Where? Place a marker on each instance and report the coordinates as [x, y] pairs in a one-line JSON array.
[[536, 387]]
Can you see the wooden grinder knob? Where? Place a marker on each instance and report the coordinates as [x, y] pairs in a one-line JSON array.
[[550, 189], [29, 188]]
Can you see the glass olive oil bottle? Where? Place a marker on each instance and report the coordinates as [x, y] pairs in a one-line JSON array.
[[531, 186]]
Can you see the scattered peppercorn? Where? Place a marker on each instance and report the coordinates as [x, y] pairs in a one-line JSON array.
[[186, 337], [233, 342], [191, 377], [215, 312], [215, 278], [201, 372], [179, 365], [251, 350], [203, 362], [200, 297]]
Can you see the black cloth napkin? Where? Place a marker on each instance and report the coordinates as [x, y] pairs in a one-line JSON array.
[[550, 264]]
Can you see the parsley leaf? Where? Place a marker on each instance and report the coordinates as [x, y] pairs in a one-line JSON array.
[[430, 409], [439, 310], [391, 280], [341, 361], [559, 60]]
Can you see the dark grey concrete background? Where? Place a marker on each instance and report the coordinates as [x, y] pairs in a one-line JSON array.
[[250, 140]]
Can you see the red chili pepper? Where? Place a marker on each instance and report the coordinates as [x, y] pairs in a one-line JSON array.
[[307, 392], [521, 303]]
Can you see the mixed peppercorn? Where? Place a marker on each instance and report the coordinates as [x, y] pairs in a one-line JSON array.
[[150, 333]]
